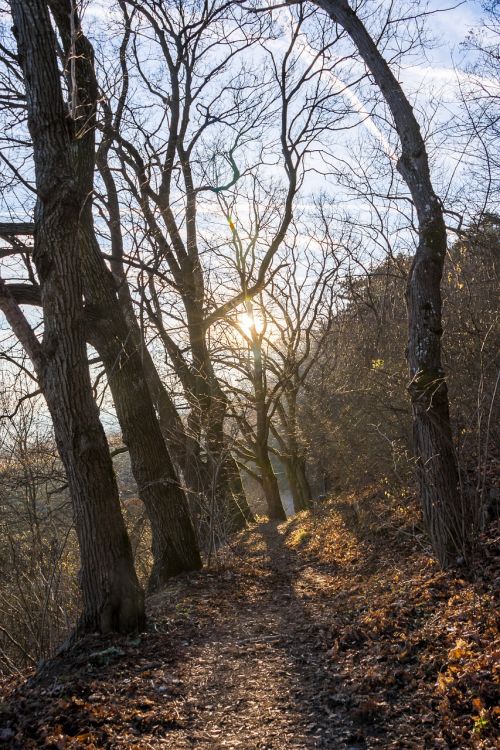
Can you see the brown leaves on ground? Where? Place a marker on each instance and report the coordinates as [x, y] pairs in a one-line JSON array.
[[335, 630]]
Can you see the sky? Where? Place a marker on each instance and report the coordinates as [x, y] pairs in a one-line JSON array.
[[431, 78], [426, 79], [450, 26]]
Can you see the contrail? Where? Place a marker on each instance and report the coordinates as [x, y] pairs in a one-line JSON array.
[[347, 91]]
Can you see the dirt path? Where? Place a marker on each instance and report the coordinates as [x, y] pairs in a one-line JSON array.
[[234, 659], [264, 678], [264, 653]]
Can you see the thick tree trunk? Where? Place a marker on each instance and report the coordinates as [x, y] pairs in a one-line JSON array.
[[446, 517], [237, 489], [118, 342], [174, 543], [171, 426], [112, 597]]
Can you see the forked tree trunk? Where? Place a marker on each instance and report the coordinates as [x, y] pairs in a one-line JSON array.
[[118, 342], [112, 597], [446, 517]]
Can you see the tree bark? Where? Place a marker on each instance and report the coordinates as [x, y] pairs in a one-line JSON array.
[[446, 517], [236, 486], [295, 462], [216, 478], [231, 498], [112, 597], [181, 252], [118, 341], [174, 545]]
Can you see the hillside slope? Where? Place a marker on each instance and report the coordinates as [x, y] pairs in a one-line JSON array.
[[335, 630]]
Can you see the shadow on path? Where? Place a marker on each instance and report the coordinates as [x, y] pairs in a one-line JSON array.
[[240, 658]]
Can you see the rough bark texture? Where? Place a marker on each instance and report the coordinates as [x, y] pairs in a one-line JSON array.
[[445, 516], [173, 540], [112, 597], [269, 483], [174, 543]]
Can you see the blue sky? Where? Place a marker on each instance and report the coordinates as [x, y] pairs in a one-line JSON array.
[[432, 75]]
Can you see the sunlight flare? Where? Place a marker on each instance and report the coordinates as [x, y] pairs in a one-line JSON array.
[[247, 321]]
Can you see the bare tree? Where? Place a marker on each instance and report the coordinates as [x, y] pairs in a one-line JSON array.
[[115, 337], [151, 168], [256, 430], [112, 597], [302, 299], [174, 544], [446, 515], [260, 216]]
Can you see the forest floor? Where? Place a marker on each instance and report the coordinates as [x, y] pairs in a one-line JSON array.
[[335, 630]]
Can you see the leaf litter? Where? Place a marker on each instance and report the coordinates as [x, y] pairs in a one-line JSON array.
[[335, 630]]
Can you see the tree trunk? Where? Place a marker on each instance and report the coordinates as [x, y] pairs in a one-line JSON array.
[[208, 478], [118, 342], [112, 597], [174, 543], [295, 462], [268, 479], [169, 421], [299, 485], [209, 404], [446, 517], [275, 509], [230, 495], [236, 487]]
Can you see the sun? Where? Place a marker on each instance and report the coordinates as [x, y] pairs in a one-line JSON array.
[[247, 321]]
